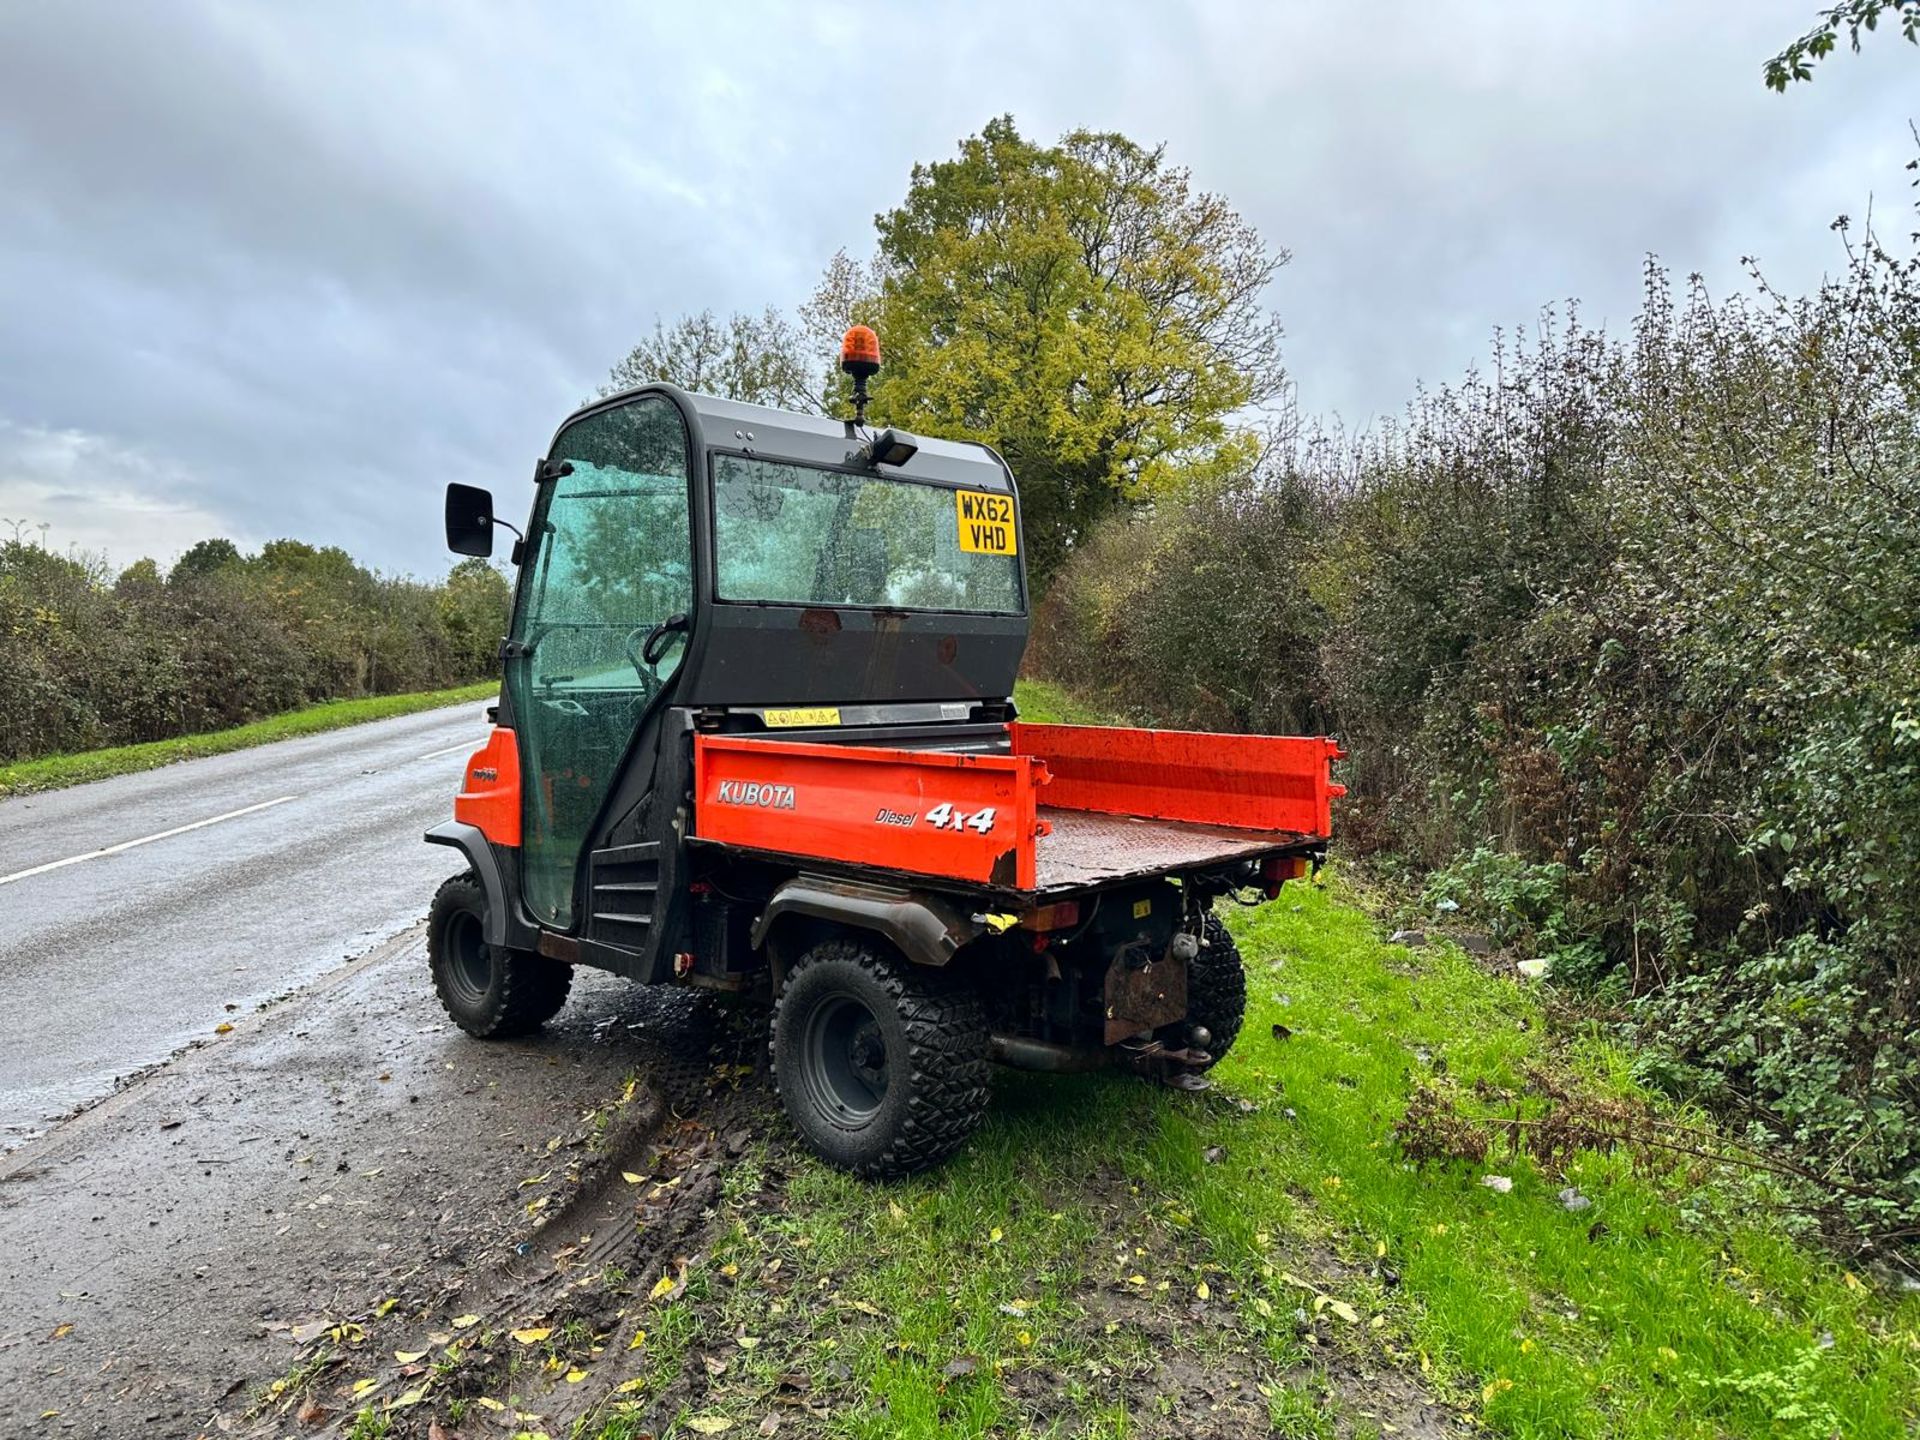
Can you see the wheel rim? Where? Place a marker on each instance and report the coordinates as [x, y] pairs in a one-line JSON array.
[[469, 961], [846, 1060]]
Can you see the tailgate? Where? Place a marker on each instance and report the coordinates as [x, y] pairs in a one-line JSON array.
[[979, 818]]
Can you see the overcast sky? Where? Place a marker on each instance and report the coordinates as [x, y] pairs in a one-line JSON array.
[[286, 270]]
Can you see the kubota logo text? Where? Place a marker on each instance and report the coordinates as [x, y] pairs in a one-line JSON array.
[[753, 792]]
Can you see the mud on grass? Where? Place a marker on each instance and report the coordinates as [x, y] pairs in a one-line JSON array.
[[684, 1267], [1108, 1258]]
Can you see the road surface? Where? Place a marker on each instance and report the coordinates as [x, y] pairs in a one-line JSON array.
[[138, 913]]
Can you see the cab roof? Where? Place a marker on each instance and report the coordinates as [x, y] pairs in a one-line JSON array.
[[762, 431]]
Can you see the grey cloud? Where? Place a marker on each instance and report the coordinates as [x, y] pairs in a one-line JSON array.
[[289, 269]]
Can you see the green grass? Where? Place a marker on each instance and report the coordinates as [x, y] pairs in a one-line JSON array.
[[1675, 1306], [55, 771], [1045, 703]]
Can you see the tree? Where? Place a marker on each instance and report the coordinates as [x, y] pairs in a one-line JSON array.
[[762, 359], [1796, 62], [1081, 307], [208, 557]]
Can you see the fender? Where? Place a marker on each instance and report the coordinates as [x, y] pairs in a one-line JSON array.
[[469, 840], [927, 929]]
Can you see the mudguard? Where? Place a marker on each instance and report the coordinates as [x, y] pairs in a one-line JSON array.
[[473, 844], [927, 929]]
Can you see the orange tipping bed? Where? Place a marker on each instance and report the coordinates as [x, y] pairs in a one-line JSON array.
[[1073, 806]]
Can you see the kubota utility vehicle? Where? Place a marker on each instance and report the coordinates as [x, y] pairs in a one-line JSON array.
[[757, 733]]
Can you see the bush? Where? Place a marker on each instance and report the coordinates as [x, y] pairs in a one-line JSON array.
[[1622, 636], [93, 660]]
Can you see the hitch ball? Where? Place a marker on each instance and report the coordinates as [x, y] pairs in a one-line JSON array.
[[1184, 947], [1199, 1037]]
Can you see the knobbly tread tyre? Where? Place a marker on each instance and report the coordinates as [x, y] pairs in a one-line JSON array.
[[524, 991], [938, 1075], [1217, 987]]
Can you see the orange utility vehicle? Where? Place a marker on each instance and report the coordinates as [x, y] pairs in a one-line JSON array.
[[757, 734]]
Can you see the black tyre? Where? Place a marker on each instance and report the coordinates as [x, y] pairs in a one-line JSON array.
[[1217, 988], [881, 1065], [490, 991]]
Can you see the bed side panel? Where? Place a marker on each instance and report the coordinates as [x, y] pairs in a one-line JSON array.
[[963, 817]]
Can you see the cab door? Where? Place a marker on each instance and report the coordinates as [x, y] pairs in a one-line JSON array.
[[607, 577]]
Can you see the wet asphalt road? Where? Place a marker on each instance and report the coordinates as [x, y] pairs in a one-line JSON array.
[[302, 854]]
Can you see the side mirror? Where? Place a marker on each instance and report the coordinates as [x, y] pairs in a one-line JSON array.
[[469, 520]]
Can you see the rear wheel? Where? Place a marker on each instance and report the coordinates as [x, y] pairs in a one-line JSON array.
[[489, 990], [881, 1065], [1217, 988]]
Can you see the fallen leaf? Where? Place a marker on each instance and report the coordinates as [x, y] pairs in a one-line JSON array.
[[385, 1307], [627, 1387], [960, 1367], [1024, 1337], [709, 1424], [360, 1387], [540, 1179], [661, 1287], [639, 1339], [407, 1357], [312, 1412], [771, 1423], [574, 1377], [1202, 1291], [1345, 1311], [1136, 1279], [62, 1330], [715, 1365], [1260, 1304], [412, 1397], [223, 1028], [633, 1179], [487, 1402], [465, 1322], [994, 1236], [533, 1334]]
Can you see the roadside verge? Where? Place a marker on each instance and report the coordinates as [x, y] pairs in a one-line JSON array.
[[55, 772]]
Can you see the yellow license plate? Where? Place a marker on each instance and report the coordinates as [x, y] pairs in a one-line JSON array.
[[986, 522]]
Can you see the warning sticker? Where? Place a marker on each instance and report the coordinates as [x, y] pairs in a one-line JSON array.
[[986, 523], [792, 719]]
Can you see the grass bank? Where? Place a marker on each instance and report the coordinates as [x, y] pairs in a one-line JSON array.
[[1108, 1258], [55, 771]]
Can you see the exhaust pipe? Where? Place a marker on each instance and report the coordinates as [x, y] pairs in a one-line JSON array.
[[1024, 1054]]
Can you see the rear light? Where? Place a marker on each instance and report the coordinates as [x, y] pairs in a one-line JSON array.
[[1058, 916], [1276, 870]]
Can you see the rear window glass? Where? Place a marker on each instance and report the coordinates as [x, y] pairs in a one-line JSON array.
[[794, 534]]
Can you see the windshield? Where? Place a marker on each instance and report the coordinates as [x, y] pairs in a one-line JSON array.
[[797, 535]]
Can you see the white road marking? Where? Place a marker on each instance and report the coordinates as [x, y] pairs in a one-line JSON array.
[[436, 754], [144, 840]]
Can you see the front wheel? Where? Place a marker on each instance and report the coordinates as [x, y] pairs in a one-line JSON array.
[[488, 990], [881, 1065]]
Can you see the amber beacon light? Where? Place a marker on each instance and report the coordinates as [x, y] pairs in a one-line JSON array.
[[860, 358]]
